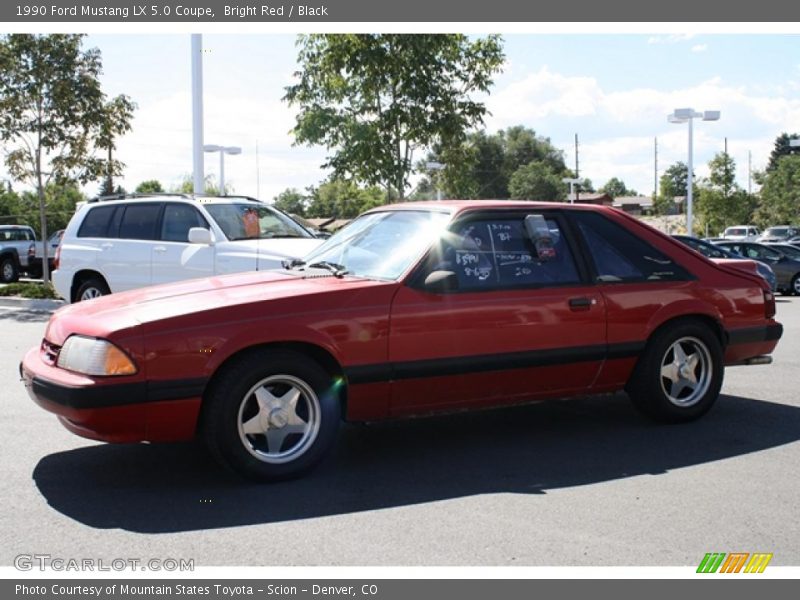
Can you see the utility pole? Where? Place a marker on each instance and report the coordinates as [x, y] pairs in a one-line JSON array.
[[749, 173], [577, 172]]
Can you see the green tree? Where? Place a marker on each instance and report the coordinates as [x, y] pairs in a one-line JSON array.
[[782, 148], [52, 112], [673, 181], [616, 188], [373, 100], [291, 201], [343, 199], [720, 200], [211, 188], [117, 116], [780, 194], [150, 186], [537, 181], [483, 165]]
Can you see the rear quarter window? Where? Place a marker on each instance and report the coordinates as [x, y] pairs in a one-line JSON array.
[[95, 223], [620, 256]]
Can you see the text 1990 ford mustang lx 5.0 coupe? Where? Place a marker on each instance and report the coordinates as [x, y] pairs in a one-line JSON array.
[[411, 309]]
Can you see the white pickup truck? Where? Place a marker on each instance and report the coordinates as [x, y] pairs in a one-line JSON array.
[[21, 253]]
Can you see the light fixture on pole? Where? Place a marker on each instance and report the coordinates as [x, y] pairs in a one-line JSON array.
[[223, 150], [688, 115], [436, 166], [572, 181]]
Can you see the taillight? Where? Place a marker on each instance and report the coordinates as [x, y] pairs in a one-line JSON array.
[[57, 257], [769, 304]]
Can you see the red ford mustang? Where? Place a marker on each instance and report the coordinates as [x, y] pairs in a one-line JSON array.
[[411, 309]]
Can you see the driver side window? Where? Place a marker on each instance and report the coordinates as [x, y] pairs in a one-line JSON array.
[[497, 253]]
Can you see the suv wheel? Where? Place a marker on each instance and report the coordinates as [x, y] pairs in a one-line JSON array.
[[94, 287], [271, 415], [679, 375], [9, 272]]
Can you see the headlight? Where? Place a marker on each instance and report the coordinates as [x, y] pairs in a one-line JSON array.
[[94, 357]]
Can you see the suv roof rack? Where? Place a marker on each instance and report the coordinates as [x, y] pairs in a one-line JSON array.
[[136, 195], [126, 196]]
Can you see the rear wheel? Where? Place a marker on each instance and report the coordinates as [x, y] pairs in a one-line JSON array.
[[94, 287], [679, 375], [9, 272], [271, 415]]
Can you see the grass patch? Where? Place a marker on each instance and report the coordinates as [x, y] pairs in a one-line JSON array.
[[35, 291]]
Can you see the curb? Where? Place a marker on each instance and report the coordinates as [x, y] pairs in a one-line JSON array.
[[40, 305]]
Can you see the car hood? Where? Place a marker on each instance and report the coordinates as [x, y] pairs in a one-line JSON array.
[[229, 297]]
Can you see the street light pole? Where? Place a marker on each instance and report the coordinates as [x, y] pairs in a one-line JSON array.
[[436, 166], [687, 115], [223, 150]]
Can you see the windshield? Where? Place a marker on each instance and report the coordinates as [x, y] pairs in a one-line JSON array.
[[735, 231], [777, 231], [381, 245], [248, 221]]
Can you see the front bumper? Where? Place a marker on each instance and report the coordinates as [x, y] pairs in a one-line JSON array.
[[111, 409]]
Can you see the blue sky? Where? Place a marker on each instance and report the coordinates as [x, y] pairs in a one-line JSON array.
[[614, 91]]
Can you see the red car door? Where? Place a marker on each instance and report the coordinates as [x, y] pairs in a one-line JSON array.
[[522, 322]]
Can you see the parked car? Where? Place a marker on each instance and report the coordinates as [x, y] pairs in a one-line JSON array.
[[17, 251], [740, 233], [411, 309], [134, 241], [787, 270], [37, 259], [723, 255], [788, 250], [781, 233]]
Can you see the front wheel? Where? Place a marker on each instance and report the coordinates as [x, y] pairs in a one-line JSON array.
[[679, 375], [271, 415], [795, 287]]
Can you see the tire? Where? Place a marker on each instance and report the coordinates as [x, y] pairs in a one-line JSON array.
[[94, 287], [280, 391], [9, 272], [794, 287], [679, 375]]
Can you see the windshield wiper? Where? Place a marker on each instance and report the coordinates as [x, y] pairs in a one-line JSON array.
[[335, 268]]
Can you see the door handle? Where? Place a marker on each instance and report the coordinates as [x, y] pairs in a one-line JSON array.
[[107, 245], [581, 303], [159, 249]]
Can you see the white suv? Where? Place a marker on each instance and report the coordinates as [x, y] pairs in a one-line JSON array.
[[118, 244]]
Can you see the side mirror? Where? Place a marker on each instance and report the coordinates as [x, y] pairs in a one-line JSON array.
[[200, 235], [539, 233], [441, 282]]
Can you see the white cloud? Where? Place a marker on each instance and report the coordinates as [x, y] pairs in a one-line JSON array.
[[617, 127], [544, 94]]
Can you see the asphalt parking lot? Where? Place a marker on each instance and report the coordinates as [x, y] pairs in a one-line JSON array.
[[581, 482]]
